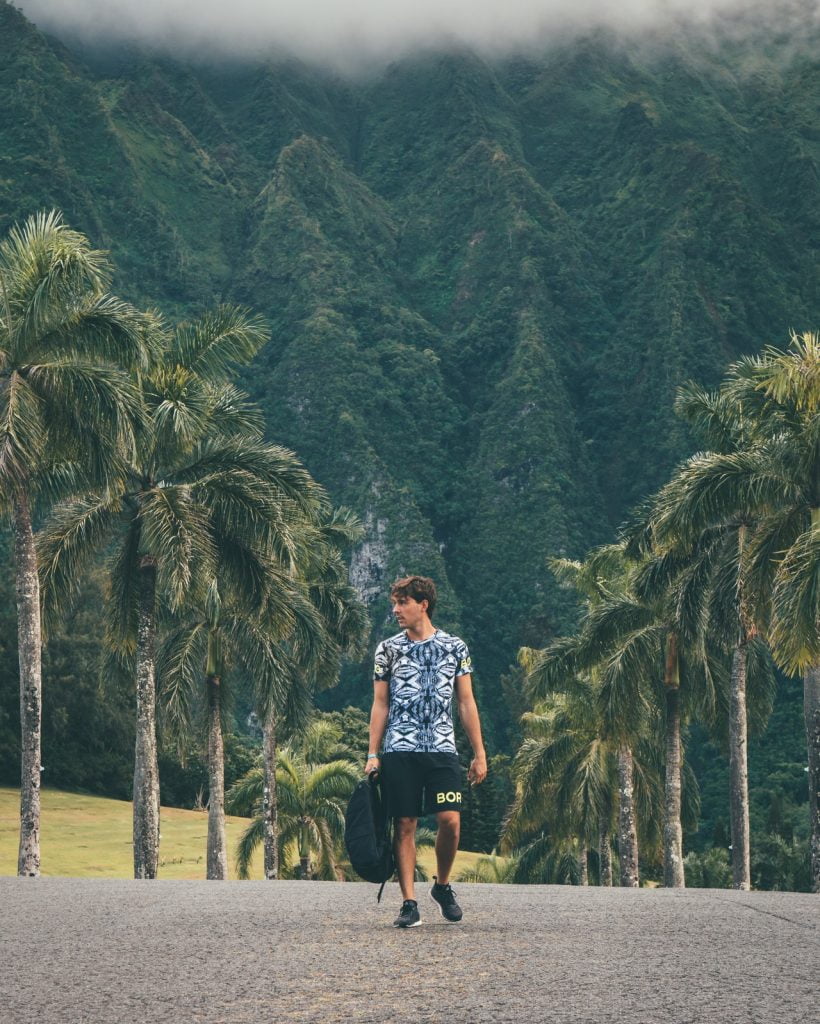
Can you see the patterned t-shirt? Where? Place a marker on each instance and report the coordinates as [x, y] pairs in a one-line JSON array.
[[421, 675]]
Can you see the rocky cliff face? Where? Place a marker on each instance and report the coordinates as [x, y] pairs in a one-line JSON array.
[[485, 279]]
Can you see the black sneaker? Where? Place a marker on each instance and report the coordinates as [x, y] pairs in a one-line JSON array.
[[409, 916], [444, 897]]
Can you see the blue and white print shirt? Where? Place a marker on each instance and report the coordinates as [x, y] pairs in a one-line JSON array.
[[421, 676]]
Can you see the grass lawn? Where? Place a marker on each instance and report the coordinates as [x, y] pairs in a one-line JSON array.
[[90, 837]]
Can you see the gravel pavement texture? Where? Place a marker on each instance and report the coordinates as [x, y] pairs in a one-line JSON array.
[[82, 951]]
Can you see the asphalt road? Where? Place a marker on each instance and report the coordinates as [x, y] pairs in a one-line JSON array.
[[81, 951]]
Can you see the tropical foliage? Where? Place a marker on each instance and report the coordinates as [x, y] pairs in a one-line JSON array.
[[724, 561], [314, 780], [476, 346], [68, 414]]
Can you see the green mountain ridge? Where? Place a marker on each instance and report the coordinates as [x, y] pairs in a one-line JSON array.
[[485, 277]]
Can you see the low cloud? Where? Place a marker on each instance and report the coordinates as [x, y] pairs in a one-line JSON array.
[[338, 30]]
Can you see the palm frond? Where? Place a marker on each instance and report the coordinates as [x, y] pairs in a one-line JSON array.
[[773, 536], [270, 464], [181, 670], [23, 432], [549, 669], [175, 531], [45, 266], [712, 488], [244, 797], [341, 528], [218, 342], [761, 684], [93, 411], [179, 404], [793, 378], [232, 413], [606, 625], [122, 609], [794, 636], [66, 545], [628, 677], [98, 327], [332, 781], [492, 869], [248, 843], [714, 415]]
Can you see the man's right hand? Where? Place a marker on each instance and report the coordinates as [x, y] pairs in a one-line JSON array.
[[371, 765]]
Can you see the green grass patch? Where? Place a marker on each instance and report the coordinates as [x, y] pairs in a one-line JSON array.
[[90, 837]]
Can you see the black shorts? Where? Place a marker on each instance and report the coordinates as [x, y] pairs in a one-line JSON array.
[[420, 783]]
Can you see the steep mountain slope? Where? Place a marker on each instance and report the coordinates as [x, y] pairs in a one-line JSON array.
[[485, 278]]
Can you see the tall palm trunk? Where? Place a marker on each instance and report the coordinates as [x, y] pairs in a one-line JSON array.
[[627, 824], [739, 771], [304, 853], [146, 769], [217, 866], [811, 709], [604, 853], [270, 804], [29, 643], [583, 865], [672, 831]]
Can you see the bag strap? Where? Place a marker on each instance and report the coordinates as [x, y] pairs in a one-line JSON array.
[[376, 781]]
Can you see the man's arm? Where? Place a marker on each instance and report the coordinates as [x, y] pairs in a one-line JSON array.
[[468, 713], [378, 723]]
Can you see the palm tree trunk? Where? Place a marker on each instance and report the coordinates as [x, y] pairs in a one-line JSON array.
[[811, 709], [583, 866], [146, 769], [627, 825], [604, 854], [304, 854], [217, 866], [29, 643], [270, 804], [672, 831], [739, 771]]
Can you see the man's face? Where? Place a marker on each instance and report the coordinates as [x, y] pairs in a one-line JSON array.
[[409, 612]]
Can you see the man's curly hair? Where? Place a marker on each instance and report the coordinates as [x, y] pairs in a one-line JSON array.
[[420, 588]]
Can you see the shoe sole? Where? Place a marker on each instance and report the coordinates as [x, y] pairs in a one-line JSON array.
[[441, 911], [415, 924]]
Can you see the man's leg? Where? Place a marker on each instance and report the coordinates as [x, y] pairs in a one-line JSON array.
[[449, 828], [404, 847]]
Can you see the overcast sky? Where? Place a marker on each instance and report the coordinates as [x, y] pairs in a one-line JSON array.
[[323, 28]]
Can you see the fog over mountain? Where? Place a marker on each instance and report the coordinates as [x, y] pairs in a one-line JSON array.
[[330, 29]]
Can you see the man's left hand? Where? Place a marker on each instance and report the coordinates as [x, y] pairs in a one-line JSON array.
[[477, 772]]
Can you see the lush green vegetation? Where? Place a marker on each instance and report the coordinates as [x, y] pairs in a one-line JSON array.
[[484, 279], [717, 577]]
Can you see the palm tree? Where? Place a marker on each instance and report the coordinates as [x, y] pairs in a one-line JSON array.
[[564, 774], [492, 869], [67, 411], [201, 480], [568, 774], [602, 577], [774, 479], [311, 798], [642, 637], [250, 632], [313, 655], [728, 608]]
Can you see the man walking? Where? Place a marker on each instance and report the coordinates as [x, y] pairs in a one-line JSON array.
[[412, 741]]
